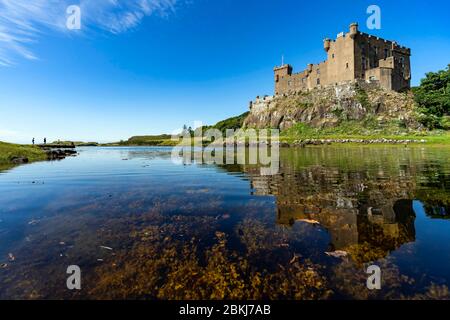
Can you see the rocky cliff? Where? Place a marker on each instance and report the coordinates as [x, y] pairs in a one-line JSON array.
[[334, 105]]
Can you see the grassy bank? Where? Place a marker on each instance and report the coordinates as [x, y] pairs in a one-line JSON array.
[[8, 151], [301, 133], [361, 130]]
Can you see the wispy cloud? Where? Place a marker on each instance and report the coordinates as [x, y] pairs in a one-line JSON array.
[[22, 22]]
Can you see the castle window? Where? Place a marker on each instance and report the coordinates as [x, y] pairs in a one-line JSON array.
[[277, 78], [318, 81], [346, 65], [386, 52], [332, 56]]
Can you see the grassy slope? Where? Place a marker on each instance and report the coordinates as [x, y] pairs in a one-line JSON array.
[[230, 123], [9, 150], [361, 130]]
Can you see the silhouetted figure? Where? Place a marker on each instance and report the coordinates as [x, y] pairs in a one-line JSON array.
[[45, 140], [32, 141]]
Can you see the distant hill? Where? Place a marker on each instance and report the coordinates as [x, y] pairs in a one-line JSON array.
[[147, 140], [76, 143], [166, 139]]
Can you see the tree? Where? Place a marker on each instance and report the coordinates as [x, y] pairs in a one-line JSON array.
[[433, 99]]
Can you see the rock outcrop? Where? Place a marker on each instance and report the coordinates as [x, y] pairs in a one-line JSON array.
[[333, 105], [19, 160], [60, 154]]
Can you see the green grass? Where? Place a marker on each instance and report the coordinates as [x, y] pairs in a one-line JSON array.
[[9, 151], [362, 97], [366, 130], [230, 123]]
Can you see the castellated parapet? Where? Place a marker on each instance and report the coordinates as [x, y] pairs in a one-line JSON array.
[[351, 57]]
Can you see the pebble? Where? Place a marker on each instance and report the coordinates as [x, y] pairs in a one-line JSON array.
[[33, 222], [294, 258], [337, 254], [309, 221]]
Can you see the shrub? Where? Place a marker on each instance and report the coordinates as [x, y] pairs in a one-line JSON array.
[[433, 99]]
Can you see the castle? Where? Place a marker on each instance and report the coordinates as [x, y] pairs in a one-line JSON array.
[[351, 57]]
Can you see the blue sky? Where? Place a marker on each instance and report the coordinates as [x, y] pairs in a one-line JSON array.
[[150, 66]]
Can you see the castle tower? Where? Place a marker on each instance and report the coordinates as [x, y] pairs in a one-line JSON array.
[[327, 44], [281, 73], [284, 70], [353, 30]]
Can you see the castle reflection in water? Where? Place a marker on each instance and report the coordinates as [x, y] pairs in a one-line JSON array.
[[358, 196]]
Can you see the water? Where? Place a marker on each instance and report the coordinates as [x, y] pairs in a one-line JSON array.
[[211, 232]]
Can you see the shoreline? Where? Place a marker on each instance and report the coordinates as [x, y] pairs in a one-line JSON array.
[[290, 141], [304, 143], [12, 155], [288, 138]]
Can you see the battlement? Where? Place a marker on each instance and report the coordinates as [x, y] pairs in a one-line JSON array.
[[351, 56]]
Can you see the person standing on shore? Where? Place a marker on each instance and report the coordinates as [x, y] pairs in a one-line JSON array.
[[32, 141], [45, 140]]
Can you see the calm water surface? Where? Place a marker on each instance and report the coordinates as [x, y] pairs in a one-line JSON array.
[[142, 227]]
